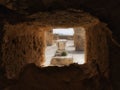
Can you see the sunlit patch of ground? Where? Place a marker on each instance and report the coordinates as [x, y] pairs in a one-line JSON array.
[[78, 56]]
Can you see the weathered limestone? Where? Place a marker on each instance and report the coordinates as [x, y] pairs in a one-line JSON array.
[[25, 43], [49, 38], [96, 50], [61, 44], [79, 38], [106, 11], [59, 61], [22, 44]]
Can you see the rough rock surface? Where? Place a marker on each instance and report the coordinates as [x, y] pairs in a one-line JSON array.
[[73, 77], [24, 43], [106, 11], [21, 45], [49, 38]]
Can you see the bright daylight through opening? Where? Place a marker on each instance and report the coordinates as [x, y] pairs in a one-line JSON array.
[[65, 46]]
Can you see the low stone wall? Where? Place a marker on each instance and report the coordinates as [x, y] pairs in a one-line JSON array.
[[61, 61]]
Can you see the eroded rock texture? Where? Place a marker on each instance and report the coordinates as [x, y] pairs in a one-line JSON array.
[[21, 45], [73, 77], [97, 48], [24, 43], [106, 11], [49, 37]]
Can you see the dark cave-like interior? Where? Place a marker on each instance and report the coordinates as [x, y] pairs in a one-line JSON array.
[[23, 25]]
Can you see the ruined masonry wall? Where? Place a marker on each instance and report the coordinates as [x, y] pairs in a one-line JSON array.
[[79, 38]]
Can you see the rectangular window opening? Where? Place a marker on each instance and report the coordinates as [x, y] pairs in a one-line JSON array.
[[65, 46]]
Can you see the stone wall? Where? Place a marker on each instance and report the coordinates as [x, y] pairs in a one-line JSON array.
[[79, 38], [49, 38], [104, 10], [96, 49], [22, 44], [73, 77], [25, 43], [114, 57]]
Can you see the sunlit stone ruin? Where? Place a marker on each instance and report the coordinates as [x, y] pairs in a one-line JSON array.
[[60, 57], [79, 39]]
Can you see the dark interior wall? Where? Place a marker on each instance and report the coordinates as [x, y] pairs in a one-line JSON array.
[[21, 45], [107, 11], [1, 41], [24, 42], [97, 48], [73, 77], [114, 57]]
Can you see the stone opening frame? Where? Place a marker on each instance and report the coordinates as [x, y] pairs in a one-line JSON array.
[[96, 49], [95, 31], [75, 31]]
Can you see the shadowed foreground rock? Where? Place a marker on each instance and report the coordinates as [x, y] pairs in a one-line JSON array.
[[74, 77]]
